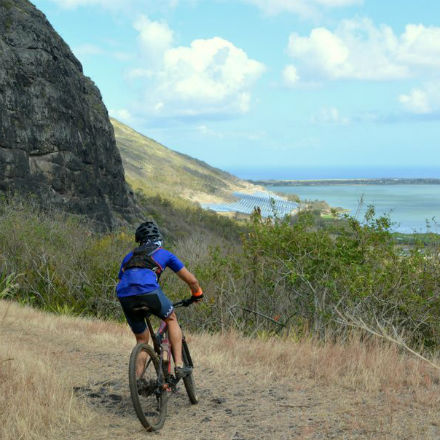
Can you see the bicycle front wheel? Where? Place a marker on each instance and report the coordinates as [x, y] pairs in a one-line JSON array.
[[188, 381], [147, 393]]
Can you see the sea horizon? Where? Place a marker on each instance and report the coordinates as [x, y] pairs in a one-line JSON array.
[[335, 173]]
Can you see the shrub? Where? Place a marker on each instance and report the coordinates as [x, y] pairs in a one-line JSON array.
[[63, 265], [300, 275]]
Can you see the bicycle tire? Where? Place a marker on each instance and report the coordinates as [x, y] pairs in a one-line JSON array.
[[149, 403], [188, 381]]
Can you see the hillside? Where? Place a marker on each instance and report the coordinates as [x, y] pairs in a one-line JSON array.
[[157, 169], [76, 387]]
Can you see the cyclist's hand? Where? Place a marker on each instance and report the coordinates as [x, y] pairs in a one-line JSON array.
[[197, 296]]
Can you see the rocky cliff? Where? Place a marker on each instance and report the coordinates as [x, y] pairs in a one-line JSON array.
[[56, 140]]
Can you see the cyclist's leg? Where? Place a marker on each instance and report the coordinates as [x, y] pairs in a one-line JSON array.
[[141, 338], [175, 334], [138, 327], [135, 320], [162, 307]]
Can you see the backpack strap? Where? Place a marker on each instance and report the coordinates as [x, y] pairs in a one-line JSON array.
[[142, 259]]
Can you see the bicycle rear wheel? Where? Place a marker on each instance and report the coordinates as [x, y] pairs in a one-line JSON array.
[[148, 396], [188, 381]]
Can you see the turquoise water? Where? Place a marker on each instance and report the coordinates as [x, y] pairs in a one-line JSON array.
[[408, 205], [334, 172]]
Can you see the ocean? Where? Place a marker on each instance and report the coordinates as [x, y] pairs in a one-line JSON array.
[[341, 172], [409, 206]]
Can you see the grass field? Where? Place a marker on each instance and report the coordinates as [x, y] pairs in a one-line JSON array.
[[260, 388]]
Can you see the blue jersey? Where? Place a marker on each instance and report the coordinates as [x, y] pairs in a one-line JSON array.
[[138, 281]]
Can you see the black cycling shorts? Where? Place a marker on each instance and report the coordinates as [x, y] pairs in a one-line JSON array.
[[156, 301]]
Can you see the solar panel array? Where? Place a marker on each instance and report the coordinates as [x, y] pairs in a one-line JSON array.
[[268, 203]]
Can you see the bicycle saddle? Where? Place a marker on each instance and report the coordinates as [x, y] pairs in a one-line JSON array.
[[141, 309]]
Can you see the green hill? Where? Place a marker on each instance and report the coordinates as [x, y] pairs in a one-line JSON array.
[[156, 169]]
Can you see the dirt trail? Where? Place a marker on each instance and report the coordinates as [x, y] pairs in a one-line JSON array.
[[243, 406]]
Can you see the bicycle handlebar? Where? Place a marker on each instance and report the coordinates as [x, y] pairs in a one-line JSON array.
[[183, 303]]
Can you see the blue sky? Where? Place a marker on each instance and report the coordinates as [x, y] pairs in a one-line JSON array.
[[269, 88]]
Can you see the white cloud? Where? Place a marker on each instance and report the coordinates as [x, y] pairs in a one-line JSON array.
[[211, 76], [420, 46], [209, 73], [330, 115], [117, 5], [357, 49], [154, 37], [423, 100], [303, 8], [290, 76], [416, 101], [71, 4]]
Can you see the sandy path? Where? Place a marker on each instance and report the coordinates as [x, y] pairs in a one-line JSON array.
[[232, 407]]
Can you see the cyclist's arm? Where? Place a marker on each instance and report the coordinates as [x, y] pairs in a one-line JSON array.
[[185, 275]]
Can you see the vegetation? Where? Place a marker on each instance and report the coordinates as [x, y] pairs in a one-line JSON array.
[[55, 261], [300, 276], [305, 277], [418, 239], [59, 264]]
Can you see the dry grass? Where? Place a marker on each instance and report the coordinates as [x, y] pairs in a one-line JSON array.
[[371, 366], [36, 396], [368, 366], [36, 400], [36, 390]]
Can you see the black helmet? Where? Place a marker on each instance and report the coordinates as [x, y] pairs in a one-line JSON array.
[[147, 231]]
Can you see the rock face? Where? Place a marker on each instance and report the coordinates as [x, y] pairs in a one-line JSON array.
[[56, 140]]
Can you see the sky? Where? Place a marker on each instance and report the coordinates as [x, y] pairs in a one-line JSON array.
[[269, 88]]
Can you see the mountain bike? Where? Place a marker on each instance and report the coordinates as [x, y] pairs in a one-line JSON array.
[[150, 390]]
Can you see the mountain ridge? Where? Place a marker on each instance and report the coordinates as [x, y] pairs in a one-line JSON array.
[[154, 168]]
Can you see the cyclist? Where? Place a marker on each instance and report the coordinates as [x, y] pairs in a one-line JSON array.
[[139, 286]]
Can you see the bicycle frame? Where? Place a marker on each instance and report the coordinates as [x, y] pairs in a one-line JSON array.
[[160, 348], [162, 344], [156, 336]]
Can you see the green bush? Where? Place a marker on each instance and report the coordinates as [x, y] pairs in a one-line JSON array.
[[62, 264], [301, 275], [298, 275]]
